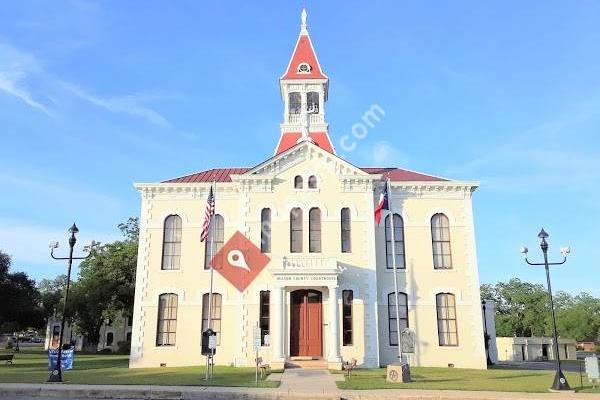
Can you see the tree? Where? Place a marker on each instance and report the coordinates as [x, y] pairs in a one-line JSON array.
[[578, 317], [52, 292], [19, 299], [523, 309], [106, 284]]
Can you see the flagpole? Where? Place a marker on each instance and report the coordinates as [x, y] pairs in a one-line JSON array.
[[393, 237], [210, 257]]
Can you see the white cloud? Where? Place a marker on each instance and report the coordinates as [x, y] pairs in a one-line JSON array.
[[384, 153], [22, 72], [548, 155], [15, 68], [130, 104]]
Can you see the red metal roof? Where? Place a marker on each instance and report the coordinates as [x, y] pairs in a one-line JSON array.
[[291, 138], [224, 175], [304, 53], [211, 175], [400, 175]]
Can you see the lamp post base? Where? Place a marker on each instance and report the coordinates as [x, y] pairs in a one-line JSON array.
[[560, 382], [398, 372], [55, 376]]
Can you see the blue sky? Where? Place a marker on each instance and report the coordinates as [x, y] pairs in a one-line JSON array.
[[97, 95]]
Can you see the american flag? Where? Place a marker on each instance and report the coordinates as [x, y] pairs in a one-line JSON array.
[[208, 214]]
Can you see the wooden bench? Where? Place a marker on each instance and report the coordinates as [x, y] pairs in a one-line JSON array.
[[265, 368], [348, 366], [7, 357]]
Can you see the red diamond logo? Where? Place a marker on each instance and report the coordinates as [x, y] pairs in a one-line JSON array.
[[239, 261]]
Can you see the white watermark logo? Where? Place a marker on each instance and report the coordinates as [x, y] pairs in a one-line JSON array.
[[360, 130]]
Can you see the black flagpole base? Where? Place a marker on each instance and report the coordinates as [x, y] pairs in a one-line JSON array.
[[560, 382], [55, 376]]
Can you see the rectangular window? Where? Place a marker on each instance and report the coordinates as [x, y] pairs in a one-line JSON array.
[[295, 103], [347, 297], [345, 230], [440, 242], [216, 314], [446, 316], [265, 230], [398, 242], [216, 237], [171, 242], [296, 230], [264, 316], [312, 100], [314, 230], [167, 320], [403, 311]]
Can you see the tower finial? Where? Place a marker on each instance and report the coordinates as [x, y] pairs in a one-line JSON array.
[[303, 16]]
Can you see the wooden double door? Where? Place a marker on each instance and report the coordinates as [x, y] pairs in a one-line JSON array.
[[306, 323]]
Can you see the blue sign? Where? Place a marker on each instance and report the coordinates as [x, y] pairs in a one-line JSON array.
[[66, 359]]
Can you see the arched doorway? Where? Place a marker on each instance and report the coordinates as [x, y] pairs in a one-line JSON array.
[[306, 338]]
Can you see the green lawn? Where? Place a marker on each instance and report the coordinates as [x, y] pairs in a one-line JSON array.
[[464, 379], [31, 366]]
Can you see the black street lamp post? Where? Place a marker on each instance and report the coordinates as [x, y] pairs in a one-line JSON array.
[[560, 382], [56, 374], [486, 336]]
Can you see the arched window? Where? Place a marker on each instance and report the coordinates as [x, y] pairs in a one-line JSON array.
[[298, 183], [312, 182], [216, 314], [171, 242], [314, 230], [345, 230], [440, 241], [295, 103], [312, 100], [110, 337], [403, 311], [446, 318], [166, 319], [296, 230], [216, 236], [265, 230], [398, 239]]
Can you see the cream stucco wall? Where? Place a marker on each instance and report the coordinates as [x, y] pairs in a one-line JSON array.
[[519, 349], [362, 270]]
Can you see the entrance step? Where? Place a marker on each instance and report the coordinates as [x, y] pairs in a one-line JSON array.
[[306, 363]]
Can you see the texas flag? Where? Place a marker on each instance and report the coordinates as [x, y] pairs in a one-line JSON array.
[[384, 202]]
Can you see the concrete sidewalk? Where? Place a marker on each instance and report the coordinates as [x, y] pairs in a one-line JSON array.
[[71, 391], [298, 381]]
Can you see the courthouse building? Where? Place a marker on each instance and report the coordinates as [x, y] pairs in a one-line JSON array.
[[316, 270]]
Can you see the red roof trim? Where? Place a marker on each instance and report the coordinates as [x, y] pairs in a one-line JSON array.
[[224, 175], [289, 140], [304, 52]]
